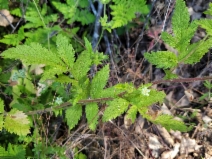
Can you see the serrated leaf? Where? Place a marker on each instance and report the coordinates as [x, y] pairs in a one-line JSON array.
[[32, 54], [184, 43], [42, 36], [207, 84], [142, 101], [121, 16], [22, 107], [170, 75], [187, 34], [66, 79], [68, 10], [65, 50], [81, 90], [180, 19], [197, 50], [132, 112], [73, 115], [1, 106], [83, 3], [205, 24], [84, 16], [17, 122], [16, 12], [1, 122], [110, 92], [120, 19], [50, 72], [170, 123], [13, 152], [29, 86], [99, 81], [97, 58], [82, 65], [33, 19], [14, 39], [92, 115], [88, 46], [209, 11], [128, 87], [162, 59], [115, 108], [169, 39]]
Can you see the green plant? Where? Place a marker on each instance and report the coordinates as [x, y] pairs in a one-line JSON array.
[[131, 101], [75, 11], [13, 151], [207, 95], [120, 15], [41, 26], [3, 4], [64, 66], [185, 53]]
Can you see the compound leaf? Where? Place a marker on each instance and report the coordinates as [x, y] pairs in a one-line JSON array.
[[121, 15], [32, 54], [162, 59]]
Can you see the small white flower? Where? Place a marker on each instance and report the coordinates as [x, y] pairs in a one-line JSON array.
[[145, 91], [59, 100]]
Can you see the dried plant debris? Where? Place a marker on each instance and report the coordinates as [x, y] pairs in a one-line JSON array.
[[5, 18], [170, 154], [155, 146], [189, 145]]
